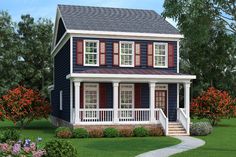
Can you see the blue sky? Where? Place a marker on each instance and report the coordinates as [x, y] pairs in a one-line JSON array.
[[47, 8]]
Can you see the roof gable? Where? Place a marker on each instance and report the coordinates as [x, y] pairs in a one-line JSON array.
[[114, 19]]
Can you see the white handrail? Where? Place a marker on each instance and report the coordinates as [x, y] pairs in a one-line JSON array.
[[183, 119], [163, 120]]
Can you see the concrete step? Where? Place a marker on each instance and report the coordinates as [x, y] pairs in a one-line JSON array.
[[175, 126], [177, 132], [177, 129]]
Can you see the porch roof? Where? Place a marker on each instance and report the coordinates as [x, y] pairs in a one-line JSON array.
[[130, 75]]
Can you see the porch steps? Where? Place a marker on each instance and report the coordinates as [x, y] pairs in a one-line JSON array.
[[176, 129]]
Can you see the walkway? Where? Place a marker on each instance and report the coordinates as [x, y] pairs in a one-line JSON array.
[[187, 143]]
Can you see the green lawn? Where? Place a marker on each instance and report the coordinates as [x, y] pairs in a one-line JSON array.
[[221, 143], [98, 147]]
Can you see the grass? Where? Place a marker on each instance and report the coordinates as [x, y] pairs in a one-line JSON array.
[[97, 147], [221, 143]]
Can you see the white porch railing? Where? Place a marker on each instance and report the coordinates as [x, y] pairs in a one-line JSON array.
[[135, 115], [159, 115], [96, 115], [183, 119]]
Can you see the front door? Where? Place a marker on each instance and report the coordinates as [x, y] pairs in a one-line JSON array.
[[161, 100]]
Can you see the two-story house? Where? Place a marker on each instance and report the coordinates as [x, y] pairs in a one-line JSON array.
[[116, 67]]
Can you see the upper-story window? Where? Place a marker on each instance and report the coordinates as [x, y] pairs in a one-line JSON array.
[[161, 55], [91, 52], [126, 54]]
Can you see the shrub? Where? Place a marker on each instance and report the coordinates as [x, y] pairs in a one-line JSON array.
[[96, 133], [10, 135], [111, 132], [60, 148], [157, 131], [80, 133], [200, 129], [213, 105], [22, 105], [64, 132], [126, 132], [140, 132]]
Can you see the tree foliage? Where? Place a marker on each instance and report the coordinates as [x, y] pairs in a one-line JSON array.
[[209, 46], [213, 105], [25, 52], [22, 105]]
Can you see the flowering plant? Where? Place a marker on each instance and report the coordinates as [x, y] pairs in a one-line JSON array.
[[22, 105], [24, 148], [213, 105]]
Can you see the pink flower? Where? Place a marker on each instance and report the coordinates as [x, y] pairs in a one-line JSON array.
[[27, 149], [4, 147], [16, 149], [33, 146], [39, 153]]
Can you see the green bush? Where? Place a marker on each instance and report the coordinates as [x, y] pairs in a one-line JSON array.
[[80, 133], [200, 129], [63, 132], [60, 148], [140, 132], [10, 134], [126, 132], [95, 133], [111, 132]]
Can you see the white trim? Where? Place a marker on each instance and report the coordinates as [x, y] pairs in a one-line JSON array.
[[166, 54], [60, 44], [178, 56], [177, 95], [161, 86], [97, 105], [133, 34], [133, 76], [126, 42], [98, 52], [71, 55], [61, 100], [71, 102], [132, 89]]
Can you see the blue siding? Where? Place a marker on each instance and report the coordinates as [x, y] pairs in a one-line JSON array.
[[145, 95], [61, 69], [60, 31], [172, 100], [109, 56]]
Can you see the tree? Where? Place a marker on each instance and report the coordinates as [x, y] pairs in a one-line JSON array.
[[213, 105], [25, 53], [208, 49], [22, 105]]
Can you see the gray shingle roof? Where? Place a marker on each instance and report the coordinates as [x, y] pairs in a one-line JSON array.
[[114, 19]]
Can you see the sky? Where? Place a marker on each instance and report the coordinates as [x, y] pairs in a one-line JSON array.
[[47, 8]]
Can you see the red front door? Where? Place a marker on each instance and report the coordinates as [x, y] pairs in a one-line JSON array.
[[161, 100]]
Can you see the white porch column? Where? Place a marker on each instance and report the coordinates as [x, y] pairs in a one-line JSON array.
[[115, 101], [77, 102], [152, 86], [187, 98]]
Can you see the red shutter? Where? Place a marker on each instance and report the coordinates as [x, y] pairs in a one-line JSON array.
[[137, 95], [137, 50], [171, 60], [116, 54], [102, 53], [150, 54], [79, 52], [81, 95], [102, 95]]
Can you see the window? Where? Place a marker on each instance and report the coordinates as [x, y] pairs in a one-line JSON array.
[[126, 100], [91, 52], [61, 100], [126, 54], [161, 55], [91, 99]]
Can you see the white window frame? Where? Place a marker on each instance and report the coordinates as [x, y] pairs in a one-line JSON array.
[[166, 54], [97, 105], [132, 89], [165, 88], [61, 100], [98, 52], [126, 42]]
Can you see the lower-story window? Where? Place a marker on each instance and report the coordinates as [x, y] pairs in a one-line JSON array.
[[91, 99], [126, 100]]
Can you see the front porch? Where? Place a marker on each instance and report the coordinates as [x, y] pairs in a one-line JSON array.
[[129, 102]]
